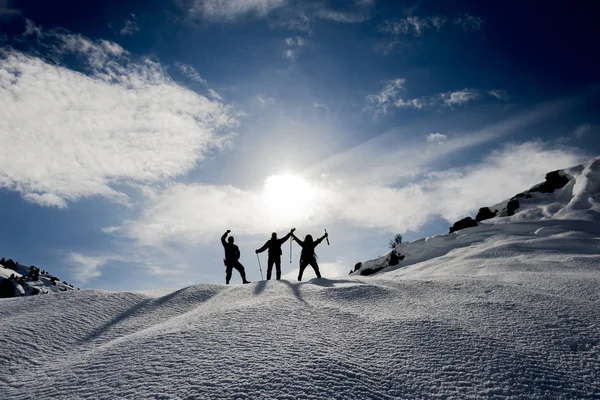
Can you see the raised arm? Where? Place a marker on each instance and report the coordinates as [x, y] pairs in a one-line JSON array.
[[300, 242], [319, 240], [286, 237], [224, 237]]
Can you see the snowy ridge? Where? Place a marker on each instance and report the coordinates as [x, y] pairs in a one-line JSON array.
[[26, 281], [577, 201], [507, 309]]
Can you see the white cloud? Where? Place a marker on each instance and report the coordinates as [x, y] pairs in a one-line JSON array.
[[289, 54], [411, 25], [190, 212], [361, 12], [297, 41], [67, 134], [436, 137], [294, 47], [417, 26], [468, 22], [111, 229], [161, 271], [499, 94], [265, 100], [291, 19], [86, 268], [390, 95], [460, 97], [198, 213], [231, 10], [498, 177], [437, 22], [451, 194], [386, 160], [292, 15], [381, 101], [194, 213], [46, 200], [190, 72], [131, 27], [583, 130], [377, 185], [418, 104], [213, 94]]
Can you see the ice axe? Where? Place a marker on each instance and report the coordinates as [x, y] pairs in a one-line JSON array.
[[327, 237]]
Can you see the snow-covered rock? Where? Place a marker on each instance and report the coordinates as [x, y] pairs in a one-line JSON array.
[[577, 200], [24, 281]]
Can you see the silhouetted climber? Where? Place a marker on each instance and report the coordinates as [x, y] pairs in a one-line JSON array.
[[274, 246], [308, 256], [232, 257]]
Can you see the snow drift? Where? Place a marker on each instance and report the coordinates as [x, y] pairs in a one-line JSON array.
[[507, 309]]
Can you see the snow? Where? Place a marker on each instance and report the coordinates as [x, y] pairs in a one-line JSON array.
[[43, 285], [506, 310], [576, 206], [5, 273], [578, 200]]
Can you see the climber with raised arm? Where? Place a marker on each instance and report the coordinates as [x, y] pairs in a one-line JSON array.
[[308, 256], [232, 258], [274, 246]]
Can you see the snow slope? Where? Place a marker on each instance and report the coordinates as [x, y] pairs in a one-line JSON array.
[[506, 310], [575, 206]]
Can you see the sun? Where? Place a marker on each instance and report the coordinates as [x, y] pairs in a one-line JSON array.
[[289, 196]]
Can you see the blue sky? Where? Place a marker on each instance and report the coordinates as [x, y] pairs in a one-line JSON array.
[[134, 134]]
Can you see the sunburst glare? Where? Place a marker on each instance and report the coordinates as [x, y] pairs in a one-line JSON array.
[[289, 196]]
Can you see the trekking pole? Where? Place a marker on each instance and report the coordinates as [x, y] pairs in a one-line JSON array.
[[259, 267], [291, 240], [327, 238]]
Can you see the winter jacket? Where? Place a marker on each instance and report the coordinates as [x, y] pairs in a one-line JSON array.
[[274, 246]]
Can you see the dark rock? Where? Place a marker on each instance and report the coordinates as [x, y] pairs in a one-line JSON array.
[[554, 181], [392, 259], [512, 206], [485, 213], [395, 258], [462, 224], [7, 288], [369, 271]]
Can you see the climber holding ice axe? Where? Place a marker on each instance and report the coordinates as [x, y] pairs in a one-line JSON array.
[[274, 246], [308, 256]]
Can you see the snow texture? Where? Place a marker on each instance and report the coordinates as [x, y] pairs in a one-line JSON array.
[[506, 310]]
